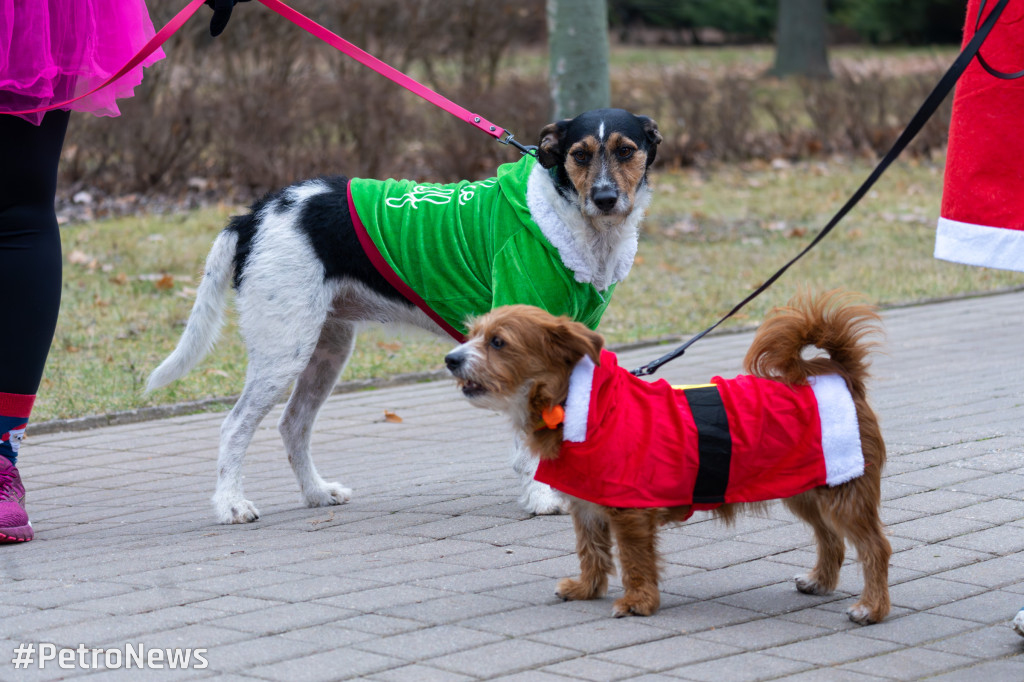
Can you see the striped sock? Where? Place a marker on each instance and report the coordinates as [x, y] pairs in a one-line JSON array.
[[14, 412]]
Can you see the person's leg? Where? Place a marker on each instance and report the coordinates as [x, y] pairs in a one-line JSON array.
[[30, 284]]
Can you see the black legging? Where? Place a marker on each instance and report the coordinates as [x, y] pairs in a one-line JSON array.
[[30, 256]]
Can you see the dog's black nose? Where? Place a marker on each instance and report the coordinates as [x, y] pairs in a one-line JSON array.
[[605, 199], [453, 361]]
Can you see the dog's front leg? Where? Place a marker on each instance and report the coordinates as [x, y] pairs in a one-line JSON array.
[[594, 549], [535, 498], [636, 534]]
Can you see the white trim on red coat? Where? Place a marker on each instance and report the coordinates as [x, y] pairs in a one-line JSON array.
[[991, 247]]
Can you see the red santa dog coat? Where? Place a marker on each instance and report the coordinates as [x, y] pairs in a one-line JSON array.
[[632, 443], [982, 216]]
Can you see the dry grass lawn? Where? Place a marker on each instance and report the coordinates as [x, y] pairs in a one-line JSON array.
[[710, 237]]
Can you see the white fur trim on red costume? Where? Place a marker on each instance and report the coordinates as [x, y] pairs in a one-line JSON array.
[[840, 433], [577, 405], [991, 247]]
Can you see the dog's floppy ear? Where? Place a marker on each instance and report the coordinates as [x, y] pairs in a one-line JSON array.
[[653, 137], [575, 340], [550, 147]]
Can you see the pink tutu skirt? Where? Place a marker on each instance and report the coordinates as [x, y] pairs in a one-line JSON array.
[[54, 50]]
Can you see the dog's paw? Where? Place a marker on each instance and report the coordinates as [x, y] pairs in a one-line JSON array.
[[635, 605], [328, 494], [861, 614], [236, 511], [571, 589], [1018, 623], [541, 499], [808, 585]]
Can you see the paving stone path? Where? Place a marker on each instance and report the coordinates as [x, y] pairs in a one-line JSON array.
[[432, 572]]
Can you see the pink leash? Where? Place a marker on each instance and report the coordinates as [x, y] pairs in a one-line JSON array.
[[332, 39]]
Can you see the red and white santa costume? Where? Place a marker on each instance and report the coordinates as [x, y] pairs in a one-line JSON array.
[[632, 443], [982, 215]]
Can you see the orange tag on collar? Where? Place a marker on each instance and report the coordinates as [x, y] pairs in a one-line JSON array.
[[553, 416]]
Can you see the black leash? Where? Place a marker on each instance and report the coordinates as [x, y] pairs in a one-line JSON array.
[[931, 103]]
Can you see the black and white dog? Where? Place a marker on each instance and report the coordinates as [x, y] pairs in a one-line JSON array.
[[315, 260]]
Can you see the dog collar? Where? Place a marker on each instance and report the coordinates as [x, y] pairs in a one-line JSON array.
[[551, 417]]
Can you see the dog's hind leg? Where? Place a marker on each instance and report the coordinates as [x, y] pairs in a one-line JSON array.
[[824, 577], [281, 350], [861, 523], [312, 388], [845, 512], [594, 549], [258, 397]]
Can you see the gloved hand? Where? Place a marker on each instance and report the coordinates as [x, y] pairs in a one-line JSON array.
[[221, 14]]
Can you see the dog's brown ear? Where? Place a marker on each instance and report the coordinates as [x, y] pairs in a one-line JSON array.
[[576, 340], [654, 137], [550, 150]]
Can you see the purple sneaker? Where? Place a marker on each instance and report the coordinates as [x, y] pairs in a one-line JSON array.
[[14, 523]]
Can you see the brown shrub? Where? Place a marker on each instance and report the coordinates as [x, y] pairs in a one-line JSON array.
[[266, 104]]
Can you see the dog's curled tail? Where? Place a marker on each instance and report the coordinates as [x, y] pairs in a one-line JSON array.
[[207, 315], [837, 322]]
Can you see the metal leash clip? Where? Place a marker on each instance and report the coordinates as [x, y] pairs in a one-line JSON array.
[[523, 149]]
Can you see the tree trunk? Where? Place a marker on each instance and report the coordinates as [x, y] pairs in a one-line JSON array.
[[578, 43], [801, 39]]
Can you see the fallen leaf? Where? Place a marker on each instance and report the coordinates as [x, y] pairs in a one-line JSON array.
[[216, 373], [77, 257], [392, 417], [317, 522], [392, 347], [684, 226], [121, 278], [165, 282]]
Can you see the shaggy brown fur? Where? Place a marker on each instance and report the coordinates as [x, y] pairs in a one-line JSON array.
[[518, 359]]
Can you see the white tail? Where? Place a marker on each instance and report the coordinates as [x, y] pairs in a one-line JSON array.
[[207, 315]]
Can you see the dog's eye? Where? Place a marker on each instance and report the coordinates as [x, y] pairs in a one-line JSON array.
[[624, 153], [497, 342], [580, 157]]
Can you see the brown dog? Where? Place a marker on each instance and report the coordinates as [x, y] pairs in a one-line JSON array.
[[626, 479]]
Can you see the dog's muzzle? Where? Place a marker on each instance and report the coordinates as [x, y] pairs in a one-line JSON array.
[[456, 362], [605, 198]]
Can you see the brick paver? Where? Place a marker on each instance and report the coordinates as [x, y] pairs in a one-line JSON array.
[[432, 572]]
